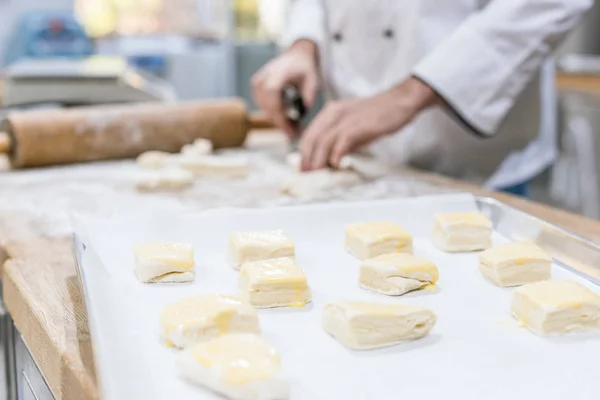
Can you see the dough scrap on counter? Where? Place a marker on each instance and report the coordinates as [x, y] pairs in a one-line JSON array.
[[215, 165], [200, 147], [277, 282], [294, 160], [155, 160], [164, 262], [164, 180], [246, 247], [206, 316], [238, 366], [364, 326], [370, 239], [395, 274], [319, 182], [366, 166], [556, 307], [462, 232], [515, 264]]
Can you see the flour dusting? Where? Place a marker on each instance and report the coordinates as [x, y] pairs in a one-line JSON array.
[[47, 196]]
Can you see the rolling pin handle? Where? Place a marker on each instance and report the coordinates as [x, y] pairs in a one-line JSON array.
[[5, 143]]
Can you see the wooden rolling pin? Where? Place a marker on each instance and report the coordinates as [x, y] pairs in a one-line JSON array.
[[51, 137]]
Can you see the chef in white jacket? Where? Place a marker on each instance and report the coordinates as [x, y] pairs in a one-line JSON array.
[[452, 86]]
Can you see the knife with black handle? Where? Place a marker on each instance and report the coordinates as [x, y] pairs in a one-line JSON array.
[[295, 111], [293, 105]]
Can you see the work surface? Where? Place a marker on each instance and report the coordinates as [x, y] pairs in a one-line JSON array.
[[41, 288]]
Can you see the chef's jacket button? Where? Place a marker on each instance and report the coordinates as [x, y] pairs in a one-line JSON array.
[[388, 33], [337, 36]]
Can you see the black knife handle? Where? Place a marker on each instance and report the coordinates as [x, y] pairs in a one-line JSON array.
[[293, 104]]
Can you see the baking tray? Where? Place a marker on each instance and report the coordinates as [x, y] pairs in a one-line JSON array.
[[475, 351]]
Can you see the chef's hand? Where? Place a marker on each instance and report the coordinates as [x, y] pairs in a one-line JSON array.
[[343, 126], [297, 66]]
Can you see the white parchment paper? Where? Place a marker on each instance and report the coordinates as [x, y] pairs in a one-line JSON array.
[[475, 352]]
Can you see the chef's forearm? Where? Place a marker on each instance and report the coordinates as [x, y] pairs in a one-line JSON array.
[[306, 47], [414, 96]]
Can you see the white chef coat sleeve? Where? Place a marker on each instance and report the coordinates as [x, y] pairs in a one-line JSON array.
[[483, 66], [305, 21]]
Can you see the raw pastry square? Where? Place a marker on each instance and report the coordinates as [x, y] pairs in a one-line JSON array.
[[255, 246], [294, 161], [515, 264], [364, 326], [238, 366], [164, 262], [366, 166], [277, 282], [462, 232], [167, 179], [320, 183], [200, 147], [395, 274], [154, 159], [556, 307], [202, 317], [371, 239], [215, 165]]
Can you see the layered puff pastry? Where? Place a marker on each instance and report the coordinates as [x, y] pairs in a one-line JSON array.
[[206, 316], [276, 282], [237, 366], [163, 262], [462, 232], [515, 264], [370, 239], [256, 246], [363, 326], [556, 307], [395, 274]]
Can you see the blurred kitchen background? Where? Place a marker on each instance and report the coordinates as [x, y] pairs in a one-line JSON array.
[[53, 51]]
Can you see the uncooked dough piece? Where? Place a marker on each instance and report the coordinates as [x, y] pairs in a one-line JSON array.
[[320, 182], [238, 366], [175, 277], [462, 232], [364, 326], [155, 160], [277, 282], [215, 165], [366, 166], [206, 316], [515, 264], [164, 262], [371, 239], [169, 179], [294, 161], [246, 247], [200, 147], [395, 274], [556, 307]]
